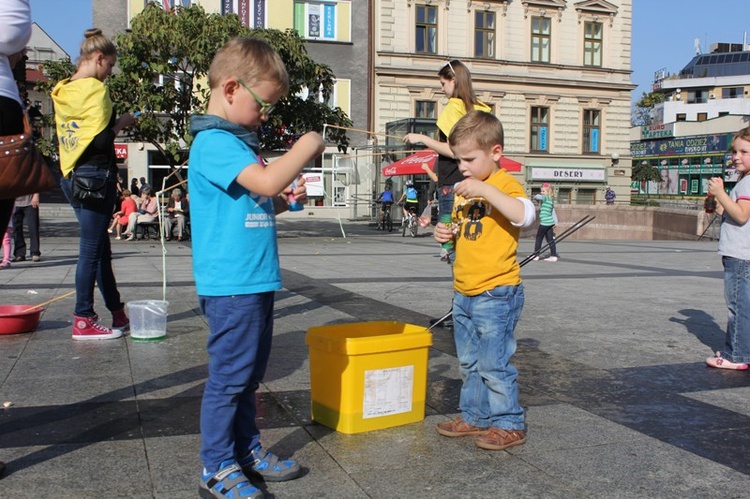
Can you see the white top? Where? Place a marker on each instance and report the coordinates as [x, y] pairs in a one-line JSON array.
[[15, 19], [735, 238]]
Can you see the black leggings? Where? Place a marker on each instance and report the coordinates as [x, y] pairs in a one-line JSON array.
[[548, 232], [11, 123]]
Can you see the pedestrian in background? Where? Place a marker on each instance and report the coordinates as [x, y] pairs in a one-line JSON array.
[[26, 212], [547, 223], [89, 146], [609, 195], [734, 248], [134, 190]]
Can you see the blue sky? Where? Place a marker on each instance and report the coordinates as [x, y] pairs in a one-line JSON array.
[[664, 31]]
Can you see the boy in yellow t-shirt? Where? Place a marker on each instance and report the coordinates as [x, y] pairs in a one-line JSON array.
[[489, 210]]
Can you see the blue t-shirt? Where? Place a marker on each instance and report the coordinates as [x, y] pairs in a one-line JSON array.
[[387, 196], [411, 194], [233, 230]]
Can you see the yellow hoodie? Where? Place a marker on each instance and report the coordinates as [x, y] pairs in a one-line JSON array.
[[83, 108]]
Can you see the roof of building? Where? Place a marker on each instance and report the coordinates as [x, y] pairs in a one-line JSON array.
[[717, 64]]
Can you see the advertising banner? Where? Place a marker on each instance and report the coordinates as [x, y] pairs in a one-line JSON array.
[[699, 144]]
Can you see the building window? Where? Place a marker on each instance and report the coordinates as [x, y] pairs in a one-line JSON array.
[[426, 29], [697, 96], [591, 130], [318, 20], [541, 34], [539, 128], [732, 93], [681, 117], [484, 34], [592, 44], [702, 116], [425, 109]]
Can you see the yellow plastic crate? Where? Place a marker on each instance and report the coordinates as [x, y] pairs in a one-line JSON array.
[[368, 376]]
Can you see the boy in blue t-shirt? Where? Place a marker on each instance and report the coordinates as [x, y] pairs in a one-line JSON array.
[[234, 201]]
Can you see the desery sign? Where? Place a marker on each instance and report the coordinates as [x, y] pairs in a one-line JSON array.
[[568, 174]]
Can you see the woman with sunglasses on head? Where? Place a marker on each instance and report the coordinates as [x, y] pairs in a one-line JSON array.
[[455, 80]]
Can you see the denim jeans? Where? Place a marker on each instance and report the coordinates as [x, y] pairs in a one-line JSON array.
[[737, 296], [94, 251], [548, 232], [483, 331], [239, 343]]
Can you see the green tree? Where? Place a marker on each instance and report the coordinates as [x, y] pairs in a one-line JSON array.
[[164, 60], [643, 109], [644, 172], [55, 71]]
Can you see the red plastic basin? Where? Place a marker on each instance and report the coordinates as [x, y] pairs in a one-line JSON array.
[[14, 320]]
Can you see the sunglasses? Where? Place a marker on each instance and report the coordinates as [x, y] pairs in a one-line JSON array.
[[265, 107], [451, 66]]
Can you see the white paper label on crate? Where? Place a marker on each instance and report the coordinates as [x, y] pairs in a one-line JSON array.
[[388, 391]]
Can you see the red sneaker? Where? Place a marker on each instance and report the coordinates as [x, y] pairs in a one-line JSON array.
[[120, 320], [88, 328]]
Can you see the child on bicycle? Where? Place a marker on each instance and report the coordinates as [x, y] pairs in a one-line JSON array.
[[386, 198], [489, 210], [412, 199]]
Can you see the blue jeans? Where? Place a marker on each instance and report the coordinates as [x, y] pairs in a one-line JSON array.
[[239, 343], [483, 331], [737, 296], [94, 251]]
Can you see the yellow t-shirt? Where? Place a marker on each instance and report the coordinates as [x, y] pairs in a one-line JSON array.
[[486, 241]]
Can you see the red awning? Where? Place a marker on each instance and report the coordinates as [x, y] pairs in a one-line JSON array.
[[412, 165]]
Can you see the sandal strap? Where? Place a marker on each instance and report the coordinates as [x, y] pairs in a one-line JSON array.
[[222, 478], [263, 456]]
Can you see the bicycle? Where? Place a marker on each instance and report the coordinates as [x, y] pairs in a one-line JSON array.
[[410, 222], [385, 220]]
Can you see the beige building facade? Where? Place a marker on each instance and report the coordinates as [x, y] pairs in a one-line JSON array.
[[556, 73]]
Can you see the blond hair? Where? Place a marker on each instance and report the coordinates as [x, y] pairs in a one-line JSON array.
[[94, 41], [743, 134], [482, 128], [250, 60]]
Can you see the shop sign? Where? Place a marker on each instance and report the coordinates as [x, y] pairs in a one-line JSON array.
[[121, 151], [568, 174], [701, 144], [660, 131]]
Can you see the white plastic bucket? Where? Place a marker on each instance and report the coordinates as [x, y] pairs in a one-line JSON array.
[[148, 319]]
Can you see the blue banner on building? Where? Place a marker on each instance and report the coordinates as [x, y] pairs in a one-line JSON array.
[[329, 23], [594, 147], [260, 13], [542, 138]]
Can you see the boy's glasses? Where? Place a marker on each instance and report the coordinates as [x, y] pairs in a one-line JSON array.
[[265, 107]]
